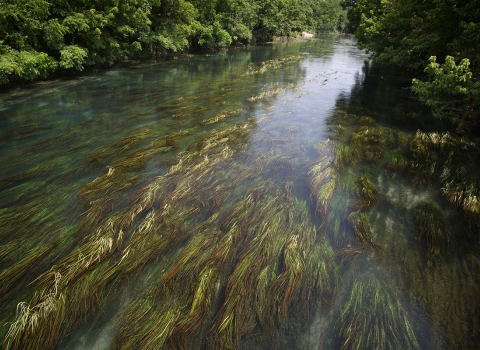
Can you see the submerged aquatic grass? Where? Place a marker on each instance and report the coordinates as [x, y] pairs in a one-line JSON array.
[[448, 290], [450, 161], [199, 217], [432, 228], [373, 318], [361, 225]]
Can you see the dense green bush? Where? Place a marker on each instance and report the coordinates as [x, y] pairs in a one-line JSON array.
[[451, 91], [411, 32]]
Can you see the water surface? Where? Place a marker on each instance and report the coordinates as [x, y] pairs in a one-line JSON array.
[[243, 199]]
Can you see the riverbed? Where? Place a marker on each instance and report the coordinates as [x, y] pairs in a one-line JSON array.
[[264, 197]]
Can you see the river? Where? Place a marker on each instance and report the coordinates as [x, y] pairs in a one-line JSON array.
[[280, 196]]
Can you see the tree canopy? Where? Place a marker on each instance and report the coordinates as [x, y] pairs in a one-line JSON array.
[[38, 37], [438, 37]]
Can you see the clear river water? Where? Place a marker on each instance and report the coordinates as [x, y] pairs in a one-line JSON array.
[[280, 196]]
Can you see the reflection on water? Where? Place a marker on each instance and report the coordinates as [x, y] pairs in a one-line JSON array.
[[254, 198]]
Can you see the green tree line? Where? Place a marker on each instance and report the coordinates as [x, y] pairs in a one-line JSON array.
[[439, 40], [38, 37]]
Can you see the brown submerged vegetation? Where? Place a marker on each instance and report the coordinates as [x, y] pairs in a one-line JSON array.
[[242, 265], [432, 228], [447, 289], [386, 325], [451, 162], [445, 281], [211, 242]]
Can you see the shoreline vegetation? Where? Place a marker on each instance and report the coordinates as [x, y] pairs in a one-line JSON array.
[[436, 41], [39, 37]]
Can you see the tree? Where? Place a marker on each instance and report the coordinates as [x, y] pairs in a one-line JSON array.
[[409, 32], [239, 18], [450, 91], [328, 16], [353, 14], [281, 18]]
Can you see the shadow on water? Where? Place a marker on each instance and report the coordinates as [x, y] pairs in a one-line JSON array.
[[255, 198], [428, 240]]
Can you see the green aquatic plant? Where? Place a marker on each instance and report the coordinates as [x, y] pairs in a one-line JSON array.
[[324, 147], [429, 151], [237, 316], [351, 251], [290, 278], [384, 323], [105, 154], [366, 120], [336, 225], [395, 139], [424, 158], [369, 141], [322, 181], [199, 262], [272, 64], [396, 163], [34, 259], [320, 273], [144, 330], [464, 195], [271, 90], [365, 193], [450, 161], [361, 225], [448, 292], [205, 294], [346, 156], [222, 116], [366, 135], [207, 250], [431, 225], [76, 281], [230, 134], [273, 266], [26, 332], [374, 153], [360, 222], [340, 124]]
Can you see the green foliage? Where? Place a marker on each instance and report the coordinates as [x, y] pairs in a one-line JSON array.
[[174, 23], [450, 92], [353, 14], [238, 18], [409, 32], [214, 36], [26, 64], [282, 18], [54, 32], [328, 16], [39, 36], [21, 22], [73, 57]]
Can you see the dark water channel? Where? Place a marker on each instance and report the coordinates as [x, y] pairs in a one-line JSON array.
[[270, 197]]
